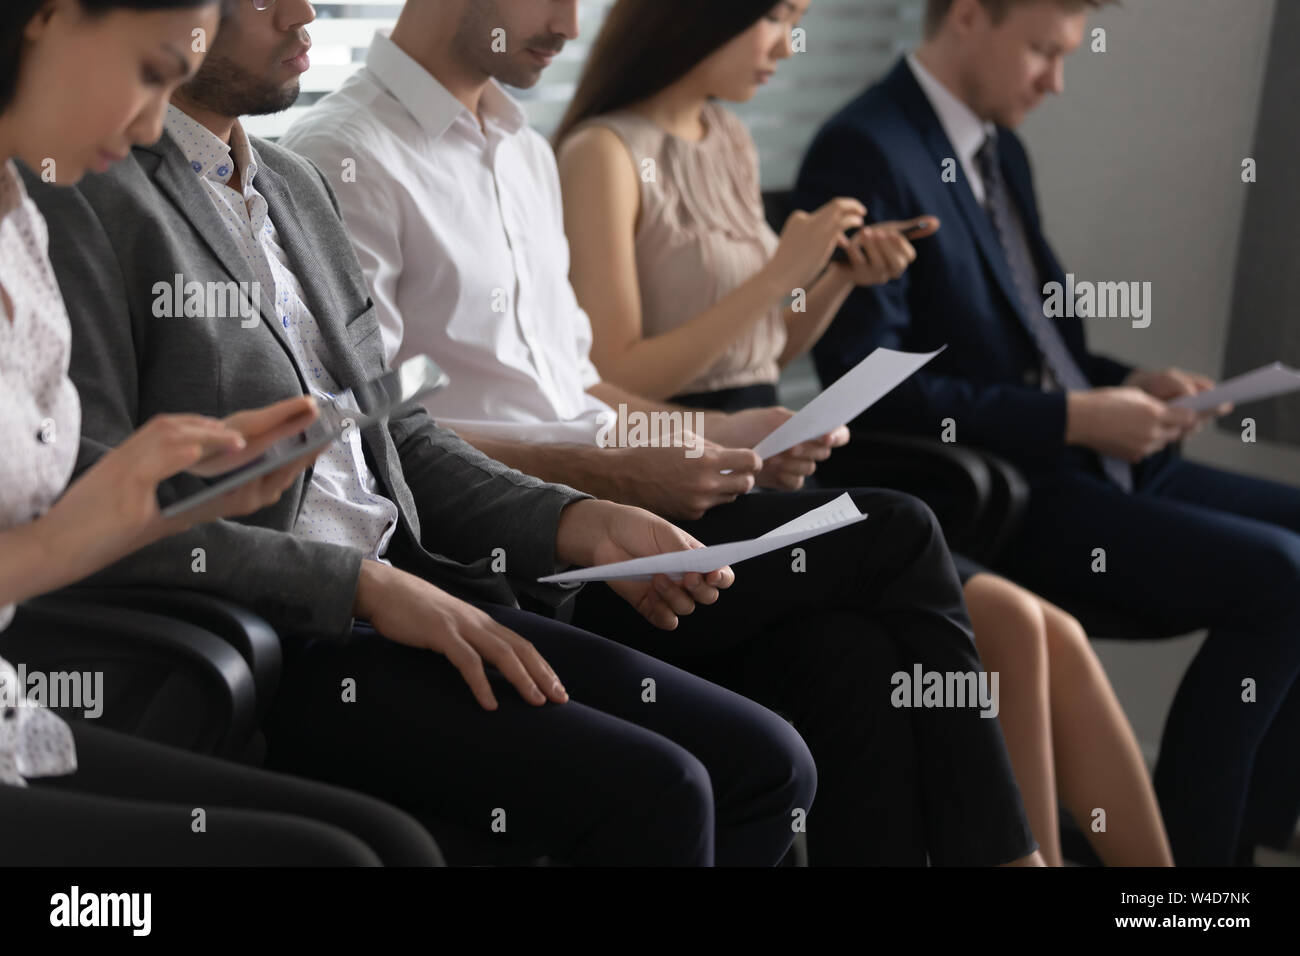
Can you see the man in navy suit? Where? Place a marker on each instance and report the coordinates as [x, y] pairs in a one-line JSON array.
[[1183, 546]]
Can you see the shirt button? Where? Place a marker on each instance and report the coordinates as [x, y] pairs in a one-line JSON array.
[[1031, 377], [47, 432]]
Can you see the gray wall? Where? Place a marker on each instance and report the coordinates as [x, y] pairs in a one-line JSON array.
[[1138, 173]]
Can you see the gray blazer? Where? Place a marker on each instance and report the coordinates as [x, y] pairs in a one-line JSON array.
[[116, 235]]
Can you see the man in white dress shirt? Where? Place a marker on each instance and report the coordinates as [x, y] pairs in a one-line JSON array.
[[453, 203]]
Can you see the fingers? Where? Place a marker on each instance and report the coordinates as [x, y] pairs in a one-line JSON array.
[[735, 460], [701, 587], [815, 449], [843, 210], [646, 601], [171, 444], [717, 489], [466, 660], [542, 674], [497, 645], [674, 595], [887, 250], [838, 438], [791, 466], [255, 421], [1173, 416], [261, 439]]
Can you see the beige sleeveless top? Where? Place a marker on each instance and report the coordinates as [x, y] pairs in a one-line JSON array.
[[702, 232]]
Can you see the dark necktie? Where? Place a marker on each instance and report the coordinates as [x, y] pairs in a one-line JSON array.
[[1055, 353]]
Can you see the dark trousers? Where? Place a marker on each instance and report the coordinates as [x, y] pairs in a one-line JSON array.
[[132, 803], [645, 764], [821, 645], [1194, 547]]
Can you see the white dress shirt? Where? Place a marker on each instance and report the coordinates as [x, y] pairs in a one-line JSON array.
[[966, 131], [341, 504], [40, 424], [460, 232]]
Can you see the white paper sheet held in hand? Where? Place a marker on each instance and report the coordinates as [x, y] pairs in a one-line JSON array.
[[1266, 382], [847, 398], [834, 514]]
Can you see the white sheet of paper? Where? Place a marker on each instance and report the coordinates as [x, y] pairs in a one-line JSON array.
[[838, 513], [1266, 382], [847, 398]]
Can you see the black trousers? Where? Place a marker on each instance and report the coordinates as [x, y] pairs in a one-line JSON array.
[[1193, 547], [821, 646], [645, 764], [132, 802]]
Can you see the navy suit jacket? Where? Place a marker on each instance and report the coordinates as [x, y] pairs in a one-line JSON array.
[[887, 148]]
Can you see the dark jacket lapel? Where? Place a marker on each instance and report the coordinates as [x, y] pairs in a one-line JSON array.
[[916, 105], [177, 181]]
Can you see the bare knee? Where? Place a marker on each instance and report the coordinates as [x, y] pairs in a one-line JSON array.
[[1071, 652], [1010, 630]]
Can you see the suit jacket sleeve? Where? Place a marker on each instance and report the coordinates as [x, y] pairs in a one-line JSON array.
[[1008, 418], [298, 585]]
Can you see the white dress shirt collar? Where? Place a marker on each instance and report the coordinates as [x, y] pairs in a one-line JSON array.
[[428, 101], [966, 131]]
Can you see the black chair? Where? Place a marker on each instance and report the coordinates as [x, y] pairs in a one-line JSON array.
[[180, 667]]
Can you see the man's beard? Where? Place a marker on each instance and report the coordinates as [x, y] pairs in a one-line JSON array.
[[230, 90], [474, 37]]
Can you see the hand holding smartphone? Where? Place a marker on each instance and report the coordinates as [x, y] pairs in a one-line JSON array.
[[917, 228], [355, 409]]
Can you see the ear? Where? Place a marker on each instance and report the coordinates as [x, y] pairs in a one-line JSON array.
[[965, 15], [39, 24]]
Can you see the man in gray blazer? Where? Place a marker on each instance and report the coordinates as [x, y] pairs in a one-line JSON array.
[[402, 540]]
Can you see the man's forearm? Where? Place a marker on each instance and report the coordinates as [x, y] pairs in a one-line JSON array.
[[586, 468], [614, 396]]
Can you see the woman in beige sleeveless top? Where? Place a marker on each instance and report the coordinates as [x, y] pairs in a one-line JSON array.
[[687, 288]]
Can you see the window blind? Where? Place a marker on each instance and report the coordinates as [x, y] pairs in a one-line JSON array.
[[847, 44]]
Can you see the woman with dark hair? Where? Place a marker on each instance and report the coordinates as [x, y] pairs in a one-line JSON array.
[[685, 286], [81, 81]]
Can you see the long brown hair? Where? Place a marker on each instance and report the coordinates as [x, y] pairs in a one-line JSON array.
[[647, 45]]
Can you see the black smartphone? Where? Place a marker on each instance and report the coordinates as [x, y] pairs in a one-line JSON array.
[[840, 255]]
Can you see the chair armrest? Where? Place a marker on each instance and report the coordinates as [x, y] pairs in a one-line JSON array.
[[255, 639], [162, 679], [953, 480], [1007, 503]]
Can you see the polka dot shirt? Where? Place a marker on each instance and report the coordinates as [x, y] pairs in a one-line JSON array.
[[40, 415], [40, 421]]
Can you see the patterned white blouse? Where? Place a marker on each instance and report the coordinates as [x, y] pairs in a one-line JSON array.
[[40, 421]]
